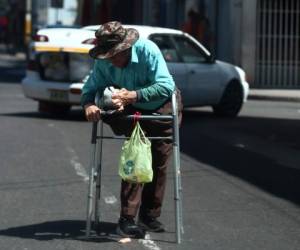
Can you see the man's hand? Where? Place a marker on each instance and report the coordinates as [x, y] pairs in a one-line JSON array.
[[123, 97], [92, 112]]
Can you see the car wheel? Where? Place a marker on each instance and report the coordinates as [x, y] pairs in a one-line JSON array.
[[231, 101], [53, 108]]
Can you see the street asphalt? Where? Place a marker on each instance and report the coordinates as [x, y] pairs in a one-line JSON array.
[[240, 178]]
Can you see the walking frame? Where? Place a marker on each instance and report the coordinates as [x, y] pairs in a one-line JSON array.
[[94, 189]]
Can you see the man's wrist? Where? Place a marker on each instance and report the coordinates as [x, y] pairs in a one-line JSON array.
[[138, 95], [134, 96], [88, 105]]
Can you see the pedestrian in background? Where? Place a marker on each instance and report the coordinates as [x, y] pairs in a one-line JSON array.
[[3, 28], [137, 67], [198, 26]]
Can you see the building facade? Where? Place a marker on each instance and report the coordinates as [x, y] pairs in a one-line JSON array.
[[261, 36], [277, 61], [49, 12]]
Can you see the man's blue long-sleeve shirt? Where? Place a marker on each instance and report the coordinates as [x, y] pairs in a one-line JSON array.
[[146, 73]]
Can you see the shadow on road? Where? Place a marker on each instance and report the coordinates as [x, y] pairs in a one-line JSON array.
[[12, 66], [12, 73], [199, 139], [11, 76], [73, 115], [64, 229]]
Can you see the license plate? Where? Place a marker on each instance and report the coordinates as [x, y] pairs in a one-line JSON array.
[[59, 95]]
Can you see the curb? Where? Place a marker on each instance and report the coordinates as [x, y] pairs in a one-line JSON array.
[[284, 95], [274, 98]]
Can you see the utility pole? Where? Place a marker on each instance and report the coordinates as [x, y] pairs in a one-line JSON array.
[[28, 21]]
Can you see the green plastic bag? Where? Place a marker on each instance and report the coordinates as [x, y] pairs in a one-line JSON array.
[[136, 159]]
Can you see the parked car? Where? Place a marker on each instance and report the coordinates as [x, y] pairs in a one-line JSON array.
[[59, 62]]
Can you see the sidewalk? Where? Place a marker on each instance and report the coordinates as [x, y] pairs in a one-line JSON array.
[[291, 95]]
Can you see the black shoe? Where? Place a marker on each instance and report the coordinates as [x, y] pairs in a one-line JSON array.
[[128, 228], [151, 224]]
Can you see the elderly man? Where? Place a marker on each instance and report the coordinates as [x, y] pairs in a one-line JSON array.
[[137, 67]]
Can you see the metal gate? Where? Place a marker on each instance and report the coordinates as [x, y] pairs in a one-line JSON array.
[[278, 42]]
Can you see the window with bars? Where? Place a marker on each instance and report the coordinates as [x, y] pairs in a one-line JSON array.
[[278, 42]]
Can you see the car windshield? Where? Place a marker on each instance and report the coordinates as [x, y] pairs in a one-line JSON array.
[[189, 51], [62, 66], [166, 46]]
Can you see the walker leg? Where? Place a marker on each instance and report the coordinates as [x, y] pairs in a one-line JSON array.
[[98, 176], [177, 180], [91, 181], [177, 196], [90, 193], [180, 203]]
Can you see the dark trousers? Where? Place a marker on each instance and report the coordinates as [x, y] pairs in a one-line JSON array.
[[147, 197]]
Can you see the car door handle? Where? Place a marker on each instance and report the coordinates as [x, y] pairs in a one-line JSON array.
[[192, 72]]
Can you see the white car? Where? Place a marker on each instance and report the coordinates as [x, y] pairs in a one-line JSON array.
[[59, 62]]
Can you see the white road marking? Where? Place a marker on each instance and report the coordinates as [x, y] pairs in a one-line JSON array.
[[80, 170], [148, 243], [240, 145], [110, 199]]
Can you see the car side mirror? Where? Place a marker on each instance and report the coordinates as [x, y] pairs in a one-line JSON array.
[[211, 59]]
